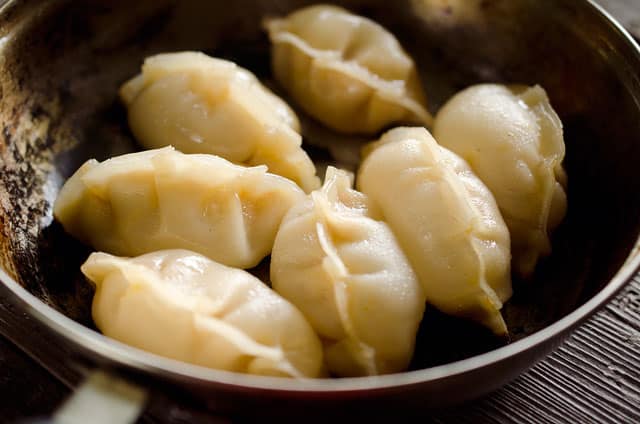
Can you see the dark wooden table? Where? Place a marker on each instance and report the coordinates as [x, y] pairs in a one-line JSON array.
[[593, 377]]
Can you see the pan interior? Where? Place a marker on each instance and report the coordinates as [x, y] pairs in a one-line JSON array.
[[62, 62]]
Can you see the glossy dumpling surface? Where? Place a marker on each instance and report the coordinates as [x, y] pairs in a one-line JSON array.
[[345, 70], [200, 104], [513, 140], [446, 221], [183, 306], [346, 272], [163, 199]]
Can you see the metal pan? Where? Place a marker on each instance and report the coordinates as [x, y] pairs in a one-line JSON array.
[[62, 61]]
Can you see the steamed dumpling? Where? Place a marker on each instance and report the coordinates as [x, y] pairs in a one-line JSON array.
[[201, 104], [512, 138], [183, 306], [347, 274], [446, 221], [345, 70], [163, 199]]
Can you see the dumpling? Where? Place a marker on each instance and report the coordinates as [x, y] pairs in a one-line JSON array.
[[181, 305], [512, 138], [200, 104], [345, 70], [345, 271], [446, 221], [163, 199]]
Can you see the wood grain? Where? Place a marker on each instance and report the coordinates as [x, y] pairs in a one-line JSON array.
[[593, 377]]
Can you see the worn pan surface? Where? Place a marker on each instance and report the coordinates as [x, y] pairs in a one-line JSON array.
[[61, 63]]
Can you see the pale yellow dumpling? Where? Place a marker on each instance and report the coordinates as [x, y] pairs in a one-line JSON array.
[[446, 221], [513, 140], [181, 305], [346, 272], [163, 199], [201, 104], [345, 70]]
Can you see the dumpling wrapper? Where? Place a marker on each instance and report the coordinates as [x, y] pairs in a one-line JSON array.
[[346, 272], [163, 199], [512, 139], [200, 104], [181, 305], [345, 70], [446, 221]]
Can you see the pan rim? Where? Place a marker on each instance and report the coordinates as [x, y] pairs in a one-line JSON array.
[[112, 351]]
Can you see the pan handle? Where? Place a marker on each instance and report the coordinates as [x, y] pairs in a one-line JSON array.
[[98, 396], [101, 398]]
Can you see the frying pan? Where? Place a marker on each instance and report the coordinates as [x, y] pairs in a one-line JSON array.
[[62, 61]]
